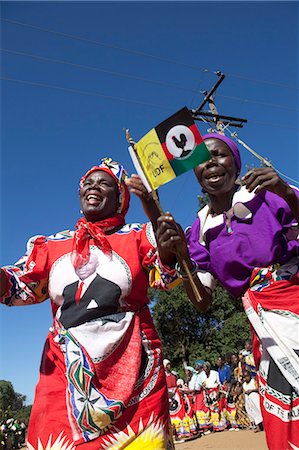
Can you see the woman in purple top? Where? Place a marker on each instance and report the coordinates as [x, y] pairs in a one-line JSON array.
[[246, 239]]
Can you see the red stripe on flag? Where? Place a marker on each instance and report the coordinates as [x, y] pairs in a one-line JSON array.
[[169, 156], [197, 135]]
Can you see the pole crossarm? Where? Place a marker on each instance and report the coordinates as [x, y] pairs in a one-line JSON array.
[[213, 115]]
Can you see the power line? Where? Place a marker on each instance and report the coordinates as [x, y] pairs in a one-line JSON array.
[[138, 53], [276, 125], [134, 77], [94, 69], [99, 43], [265, 161], [287, 177], [77, 91], [110, 97], [255, 80], [245, 100]]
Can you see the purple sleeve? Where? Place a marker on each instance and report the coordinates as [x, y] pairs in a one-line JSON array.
[[285, 217], [197, 251], [280, 208]]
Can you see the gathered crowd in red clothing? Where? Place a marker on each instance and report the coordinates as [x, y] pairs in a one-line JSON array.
[[210, 400]]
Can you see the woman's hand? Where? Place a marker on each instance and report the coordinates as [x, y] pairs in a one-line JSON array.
[[266, 178], [150, 208], [171, 238], [137, 187], [172, 247]]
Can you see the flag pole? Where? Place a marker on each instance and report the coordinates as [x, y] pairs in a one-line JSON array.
[[154, 192], [157, 202]]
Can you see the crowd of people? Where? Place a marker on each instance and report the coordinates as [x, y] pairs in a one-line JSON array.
[[209, 400], [12, 434]]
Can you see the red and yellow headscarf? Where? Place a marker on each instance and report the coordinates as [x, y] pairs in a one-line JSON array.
[[119, 174], [96, 230]]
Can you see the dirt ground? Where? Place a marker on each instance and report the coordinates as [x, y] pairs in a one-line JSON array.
[[232, 440]]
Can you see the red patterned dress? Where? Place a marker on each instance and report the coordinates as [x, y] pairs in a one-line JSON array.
[[102, 383]]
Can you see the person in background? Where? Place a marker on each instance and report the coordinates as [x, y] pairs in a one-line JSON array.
[[228, 358], [198, 376], [23, 432], [182, 425], [234, 367], [188, 397], [180, 383], [252, 401], [171, 380], [223, 370], [190, 376], [196, 386], [246, 238], [242, 366], [247, 348], [211, 386], [238, 395], [249, 359], [231, 409], [102, 382]]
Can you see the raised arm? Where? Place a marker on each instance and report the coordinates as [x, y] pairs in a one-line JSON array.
[[3, 283], [25, 282], [266, 178], [149, 206], [172, 247], [172, 244]]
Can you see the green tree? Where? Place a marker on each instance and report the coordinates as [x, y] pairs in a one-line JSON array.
[[23, 414], [12, 403], [187, 335], [7, 395]]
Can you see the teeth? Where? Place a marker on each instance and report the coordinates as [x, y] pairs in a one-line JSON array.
[[91, 196], [215, 177]]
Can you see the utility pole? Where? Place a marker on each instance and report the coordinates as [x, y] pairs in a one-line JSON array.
[[221, 121], [213, 116]]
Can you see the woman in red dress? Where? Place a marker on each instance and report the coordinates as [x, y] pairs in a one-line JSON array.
[[102, 383]]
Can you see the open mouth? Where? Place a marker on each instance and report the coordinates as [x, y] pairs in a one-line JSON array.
[[214, 177], [93, 198]]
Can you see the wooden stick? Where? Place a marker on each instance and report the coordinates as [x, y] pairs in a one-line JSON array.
[[191, 281], [154, 192]]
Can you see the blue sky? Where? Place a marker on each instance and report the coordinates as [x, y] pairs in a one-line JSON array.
[[76, 73]]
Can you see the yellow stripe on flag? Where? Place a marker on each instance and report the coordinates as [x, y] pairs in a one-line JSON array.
[[153, 159]]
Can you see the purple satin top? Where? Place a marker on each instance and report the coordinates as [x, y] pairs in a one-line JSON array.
[[265, 236]]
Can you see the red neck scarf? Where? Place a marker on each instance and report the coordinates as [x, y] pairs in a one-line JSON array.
[[96, 230]]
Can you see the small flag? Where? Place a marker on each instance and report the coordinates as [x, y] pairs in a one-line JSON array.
[[172, 148]]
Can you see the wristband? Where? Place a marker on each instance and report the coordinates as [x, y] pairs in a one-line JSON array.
[[182, 274]]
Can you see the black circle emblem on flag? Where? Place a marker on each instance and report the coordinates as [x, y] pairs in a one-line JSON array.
[[180, 141]]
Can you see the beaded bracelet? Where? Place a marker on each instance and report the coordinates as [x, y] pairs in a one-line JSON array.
[[182, 274]]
